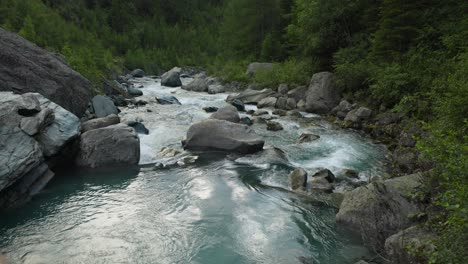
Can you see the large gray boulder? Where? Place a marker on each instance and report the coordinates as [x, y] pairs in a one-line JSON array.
[[358, 115], [251, 96], [171, 78], [25, 67], [298, 179], [200, 83], [381, 209], [221, 135], [228, 113], [103, 106], [323, 95], [116, 145], [256, 67]]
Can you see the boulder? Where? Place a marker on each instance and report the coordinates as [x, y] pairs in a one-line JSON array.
[[342, 109], [138, 73], [307, 137], [25, 67], [283, 89], [251, 96], [301, 105], [269, 156], [103, 106], [167, 100], [256, 67], [320, 184], [210, 109], [400, 246], [274, 126], [323, 95], [222, 135], [100, 123], [116, 145], [298, 179], [298, 93], [291, 104], [282, 103], [351, 174], [171, 78], [201, 83], [228, 113], [238, 104], [139, 127], [381, 208], [134, 91], [326, 174], [267, 102], [358, 115], [216, 88]]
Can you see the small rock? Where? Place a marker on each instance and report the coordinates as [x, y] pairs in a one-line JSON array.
[[298, 179], [326, 174], [100, 123], [138, 73], [283, 89], [251, 112], [210, 109], [342, 109], [295, 113], [134, 91], [149, 110], [238, 104], [140, 103], [167, 100], [167, 152], [274, 126], [306, 137], [260, 112], [291, 104], [246, 121], [301, 104], [358, 115], [171, 78], [281, 103], [279, 112], [139, 127], [351, 174], [216, 88], [228, 113], [321, 184], [267, 102], [103, 106]]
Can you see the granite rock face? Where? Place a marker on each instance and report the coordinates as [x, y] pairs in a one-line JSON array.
[[323, 95]]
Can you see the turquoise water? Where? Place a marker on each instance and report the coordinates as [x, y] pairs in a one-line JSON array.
[[215, 211]]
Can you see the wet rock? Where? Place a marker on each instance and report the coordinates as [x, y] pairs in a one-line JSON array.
[[34, 124], [291, 104], [283, 89], [216, 88], [103, 106], [238, 104], [282, 103], [326, 174], [307, 137], [210, 109], [297, 179], [212, 135], [256, 67], [246, 121], [116, 145], [100, 123], [342, 109], [381, 208], [399, 247], [167, 100], [251, 96], [134, 91], [260, 112], [25, 67], [295, 114], [138, 73], [167, 152], [139, 127], [251, 112], [358, 115], [274, 126], [228, 113], [279, 112], [320, 184], [269, 156], [351, 174], [200, 83], [171, 78], [140, 103], [267, 102], [119, 100], [323, 95]]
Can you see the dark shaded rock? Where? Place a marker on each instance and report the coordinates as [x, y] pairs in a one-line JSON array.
[[274, 126], [103, 106], [100, 123], [116, 145], [210, 109], [267, 102], [282, 103], [351, 174], [306, 137], [119, 100], [246, 121], [251, 96], [140, 103], [228, 113], [298, 93], [381, 208], [134, 91], [167, 100], [323, 95], [291, 104], [251, 112], [298, 179], [138, 73], [139, 127], [320, 184], [238, 104], [279, 112], [171, 78], [342, 109], [411, 245], [283, 89], [25, 67], [260, 112], [326, 174], [222, 135], [256, 67], [358, 115]]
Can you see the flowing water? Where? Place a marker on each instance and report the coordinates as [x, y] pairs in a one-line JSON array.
[[214, 211]]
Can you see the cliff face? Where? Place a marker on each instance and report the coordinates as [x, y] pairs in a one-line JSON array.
[[25, 67]]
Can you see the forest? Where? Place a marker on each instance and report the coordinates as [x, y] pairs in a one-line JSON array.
[[408, 56]]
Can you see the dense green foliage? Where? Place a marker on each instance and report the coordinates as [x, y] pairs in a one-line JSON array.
[[410, 56]]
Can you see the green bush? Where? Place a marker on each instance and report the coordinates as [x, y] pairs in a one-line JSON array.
[[292, 72]]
